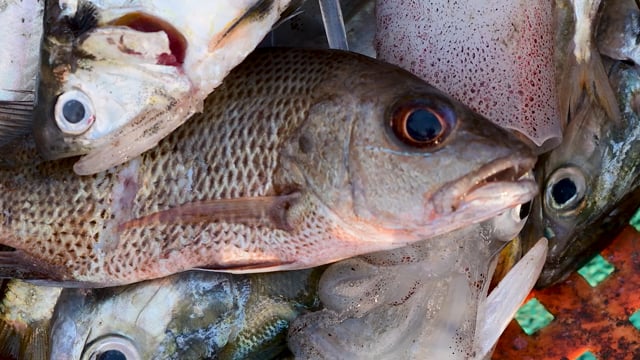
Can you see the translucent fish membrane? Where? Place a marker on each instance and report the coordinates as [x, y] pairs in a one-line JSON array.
[[593, 314]]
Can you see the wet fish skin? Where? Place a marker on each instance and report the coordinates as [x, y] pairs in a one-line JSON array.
[[294, 164], [594, 173], [618, 30], [192, 315], [135, 71]]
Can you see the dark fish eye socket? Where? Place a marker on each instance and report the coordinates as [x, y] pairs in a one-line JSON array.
[[418, 125], [111, 355], [565, 189]]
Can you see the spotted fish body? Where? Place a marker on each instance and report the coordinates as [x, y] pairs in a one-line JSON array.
[[293, 164]]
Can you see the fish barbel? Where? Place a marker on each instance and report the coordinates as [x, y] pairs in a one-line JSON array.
[[117, 76], [301, 158], [192, 315], [590, 182]]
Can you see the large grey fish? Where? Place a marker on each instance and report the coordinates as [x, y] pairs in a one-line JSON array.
[[192, 315], [300, 159], [117, 76], [590, 182]]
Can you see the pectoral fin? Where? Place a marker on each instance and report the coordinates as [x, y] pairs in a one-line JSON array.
[[18, 264], [249, 267], [266, 210]]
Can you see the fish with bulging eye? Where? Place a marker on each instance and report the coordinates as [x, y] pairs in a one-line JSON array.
[[116, 77], [192, 315], [300, 158], [590, 182]]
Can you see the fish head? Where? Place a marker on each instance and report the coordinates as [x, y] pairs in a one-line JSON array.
[[184, 314], [114, 80], [589, 183], [393, 155]]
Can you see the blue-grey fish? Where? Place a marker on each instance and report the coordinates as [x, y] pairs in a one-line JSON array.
[[590, 182], [301, 158], [192, 315]]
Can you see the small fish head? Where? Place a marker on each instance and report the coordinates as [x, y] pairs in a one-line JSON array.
[[106, 86], [589, 183], [397, 156]]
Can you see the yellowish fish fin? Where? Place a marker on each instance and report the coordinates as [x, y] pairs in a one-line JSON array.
[[266, 210]]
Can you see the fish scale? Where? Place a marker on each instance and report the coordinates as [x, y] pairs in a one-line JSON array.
[[272, 175]]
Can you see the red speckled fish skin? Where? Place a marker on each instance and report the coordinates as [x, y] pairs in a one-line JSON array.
[[495, 56], [293, 164]]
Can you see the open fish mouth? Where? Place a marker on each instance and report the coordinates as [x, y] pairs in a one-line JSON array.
[[503, 183]]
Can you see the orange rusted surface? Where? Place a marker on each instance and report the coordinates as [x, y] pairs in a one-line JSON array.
[[594, 319]]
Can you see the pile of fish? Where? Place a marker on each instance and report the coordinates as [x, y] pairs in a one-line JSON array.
[[170, 191]]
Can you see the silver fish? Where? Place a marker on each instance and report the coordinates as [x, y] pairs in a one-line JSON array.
[[192, 315], [117, 76], [300, 159], [618, 30]]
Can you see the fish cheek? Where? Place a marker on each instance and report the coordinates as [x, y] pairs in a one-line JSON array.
[[318, 150]]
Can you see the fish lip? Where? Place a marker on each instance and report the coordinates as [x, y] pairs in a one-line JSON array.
[[512, 173]]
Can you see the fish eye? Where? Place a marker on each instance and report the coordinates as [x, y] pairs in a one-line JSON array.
[[74, 112], [111, 347], [420, 125], [565, 189]]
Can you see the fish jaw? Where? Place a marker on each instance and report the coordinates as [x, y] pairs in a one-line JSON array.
[[152, 98]]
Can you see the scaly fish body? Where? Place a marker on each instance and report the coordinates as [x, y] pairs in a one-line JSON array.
[[300, 159], [118, 76], [193, 315], [590, 182]]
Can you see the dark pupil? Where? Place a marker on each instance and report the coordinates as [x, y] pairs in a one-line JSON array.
[[73, 111], [111, 355], [423, 125], [524, 210], [563, 191]]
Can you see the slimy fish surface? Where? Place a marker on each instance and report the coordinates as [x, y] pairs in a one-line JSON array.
[[117, 76], [590, 182], [301, 158], [192, 315]]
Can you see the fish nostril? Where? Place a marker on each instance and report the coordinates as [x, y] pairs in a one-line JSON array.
[[524, 210], [563, 191]]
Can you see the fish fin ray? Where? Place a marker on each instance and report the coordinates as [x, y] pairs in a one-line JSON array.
[[588, 82], [16, 118], [17, 264], [265, 210]]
